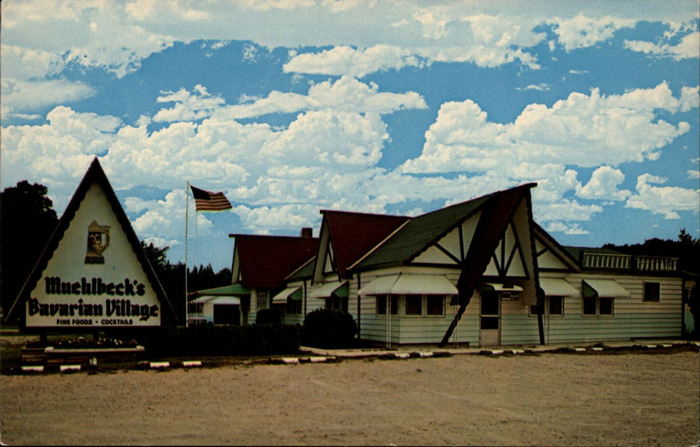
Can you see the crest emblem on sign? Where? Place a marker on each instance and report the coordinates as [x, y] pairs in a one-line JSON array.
[[97, 243]]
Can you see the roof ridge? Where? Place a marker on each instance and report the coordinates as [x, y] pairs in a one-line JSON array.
[[397, 216]]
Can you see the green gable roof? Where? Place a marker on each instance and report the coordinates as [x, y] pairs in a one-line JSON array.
[[229, 290], [419, 233]]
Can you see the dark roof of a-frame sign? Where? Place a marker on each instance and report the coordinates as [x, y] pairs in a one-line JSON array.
[[94, 174]]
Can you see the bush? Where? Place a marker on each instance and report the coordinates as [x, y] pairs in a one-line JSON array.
[[328, 329], [271, 317], [223, 340]]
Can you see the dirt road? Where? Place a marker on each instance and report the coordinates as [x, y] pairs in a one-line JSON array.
[[550, 399]]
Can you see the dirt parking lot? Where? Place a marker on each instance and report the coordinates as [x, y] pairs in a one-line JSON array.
[[549, 399]]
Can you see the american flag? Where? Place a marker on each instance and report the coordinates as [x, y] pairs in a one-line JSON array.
[[210, 201]]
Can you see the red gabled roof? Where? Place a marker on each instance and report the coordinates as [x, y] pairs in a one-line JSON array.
[[266, 260], [352, 235]]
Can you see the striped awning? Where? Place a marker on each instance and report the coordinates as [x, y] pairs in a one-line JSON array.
[[407, 284], [328, 289], [608, 288], [557, 287], [281, 298]]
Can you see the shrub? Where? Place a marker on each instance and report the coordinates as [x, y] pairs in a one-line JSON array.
[[325, 328], [268, 317], [223, 340]]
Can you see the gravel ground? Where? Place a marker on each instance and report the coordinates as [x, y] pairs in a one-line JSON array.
[[550, 399]]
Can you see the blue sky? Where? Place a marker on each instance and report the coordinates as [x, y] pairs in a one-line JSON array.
[[293, 106]]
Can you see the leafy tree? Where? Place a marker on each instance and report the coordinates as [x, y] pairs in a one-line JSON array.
[[27, 220], [172, 276]]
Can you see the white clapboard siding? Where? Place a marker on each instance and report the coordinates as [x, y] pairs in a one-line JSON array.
[[632, 317]]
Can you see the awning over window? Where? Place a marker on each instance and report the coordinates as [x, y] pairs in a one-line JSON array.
[[606, 288], [407, 284], [326, 290], [217, 299], [281, 298], [498, 287], [557, 287], [229, 290]]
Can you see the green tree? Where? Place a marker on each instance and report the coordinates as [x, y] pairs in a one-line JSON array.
[[27, 220]]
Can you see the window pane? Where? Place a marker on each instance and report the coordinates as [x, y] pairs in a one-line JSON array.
[[589, 306], [414, 304], [606, 306], [556, 305], [489, 322], [436, 304], [489, 303], [533, 310], [394, 304], [652, 291], [381, 304]]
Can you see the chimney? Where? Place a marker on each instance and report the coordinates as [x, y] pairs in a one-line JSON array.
[[307, 232]]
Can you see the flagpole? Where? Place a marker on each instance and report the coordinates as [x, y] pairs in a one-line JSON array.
[[187, 220]]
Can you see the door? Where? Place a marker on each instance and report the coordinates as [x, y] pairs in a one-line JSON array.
[[227, 314], [490, 319]]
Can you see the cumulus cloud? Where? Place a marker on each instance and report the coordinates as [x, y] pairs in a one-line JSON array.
[[581, 130], [189, 106], [604, 185], [345, 94], [566, 228], [345, 60], [21, 96], [583, 31], [163, 222], [664, 200], [687, 48]]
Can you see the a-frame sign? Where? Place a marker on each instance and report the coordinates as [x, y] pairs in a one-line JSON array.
[[92, 273]]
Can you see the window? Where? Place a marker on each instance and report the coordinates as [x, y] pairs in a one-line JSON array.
[[556, 305], [489, 322], [598, 305], [196, 308], [436, 305], [652, 291], [489, 303], [335, 302], [262, 300], [293, 306], [414, 304], [381, 304], [606, 306]]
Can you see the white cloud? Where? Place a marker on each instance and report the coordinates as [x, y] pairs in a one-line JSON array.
[[117, 36], [687, 48], [345, 94], [24, 63], [584, 31], [569, 229], [604, 185], [345, 60], [188, 106], [542, 87], [164, 220], [693, 174], [690, 98], [21, 96], [581, 130], [566, 210], [665, 200]]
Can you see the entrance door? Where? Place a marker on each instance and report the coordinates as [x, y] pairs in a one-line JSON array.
[[227, 314], [490, 319]]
